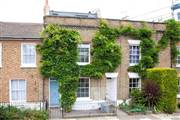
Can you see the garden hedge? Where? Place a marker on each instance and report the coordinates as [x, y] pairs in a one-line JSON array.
[[168, 82]]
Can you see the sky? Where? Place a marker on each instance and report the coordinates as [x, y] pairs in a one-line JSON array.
[[32, 10]]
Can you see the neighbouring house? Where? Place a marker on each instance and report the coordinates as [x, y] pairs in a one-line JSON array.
[[22, 84]]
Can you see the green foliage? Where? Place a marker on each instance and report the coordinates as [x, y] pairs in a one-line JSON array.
[[151, 93], [137, 103], [137, 97], [58, 59], [167, 80], [13, 113], [149, 50], [124, 106], [171, 35], [59, 55], [133, 107], [149, 53], [106, 53], [138, 108]]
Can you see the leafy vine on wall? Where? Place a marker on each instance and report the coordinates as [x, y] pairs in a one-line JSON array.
[[59, 60], [170, 37], [59, 54], [106, 55]]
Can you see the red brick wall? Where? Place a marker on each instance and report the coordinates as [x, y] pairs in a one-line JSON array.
[[11, 70]]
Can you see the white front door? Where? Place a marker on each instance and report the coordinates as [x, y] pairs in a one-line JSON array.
[[111, 89]]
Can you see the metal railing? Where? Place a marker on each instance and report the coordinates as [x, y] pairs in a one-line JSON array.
[[38, 105]]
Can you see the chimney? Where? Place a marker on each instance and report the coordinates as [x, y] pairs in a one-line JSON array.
[[46, 8]]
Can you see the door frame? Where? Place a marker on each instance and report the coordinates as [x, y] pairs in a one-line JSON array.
[[50, 93], [110, 77]]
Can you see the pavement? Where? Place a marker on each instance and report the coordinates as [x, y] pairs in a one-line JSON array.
[[132, 117], [124, 116]]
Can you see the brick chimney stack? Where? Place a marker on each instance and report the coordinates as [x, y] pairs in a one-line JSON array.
[[46, 8]]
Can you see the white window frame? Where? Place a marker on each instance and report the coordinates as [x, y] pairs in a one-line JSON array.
[[1, 54], [27, 65], [134, 43], [84, 46], [134, 76], [177, 64], [10, 90], [85, 98], [178, 15], [178, 95]]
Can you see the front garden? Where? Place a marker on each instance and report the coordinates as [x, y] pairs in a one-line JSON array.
[[13, 113], [158, 93]]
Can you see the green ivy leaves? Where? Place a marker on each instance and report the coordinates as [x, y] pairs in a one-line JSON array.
[[106, 53], [58, 59], [171, 35], [59, 54]]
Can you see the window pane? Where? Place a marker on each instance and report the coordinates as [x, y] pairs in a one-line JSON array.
[[134, 83], [83, 54], [178, 14], [134, 54], [29, 53], [83, 89], [18, 90], [14, 85], [14, 95]]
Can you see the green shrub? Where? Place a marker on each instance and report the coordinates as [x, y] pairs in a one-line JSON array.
[[13, 113], [167, 79], [132, 107], [124, 106], [35, 114], [137, 108], [10, 113], [59, 55], [151, 92], [137, 97]]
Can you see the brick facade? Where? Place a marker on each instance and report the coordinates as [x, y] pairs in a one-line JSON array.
[[11, 62], [38, 89], [87, 28]]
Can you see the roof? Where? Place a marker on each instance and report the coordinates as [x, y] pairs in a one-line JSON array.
[[20, 30]]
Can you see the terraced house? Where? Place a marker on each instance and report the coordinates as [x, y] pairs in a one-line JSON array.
[[22, 84]]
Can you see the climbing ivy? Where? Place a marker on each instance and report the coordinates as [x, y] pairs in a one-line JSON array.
[[59, 54], [58, 59], [171, 36], [106, 55]]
